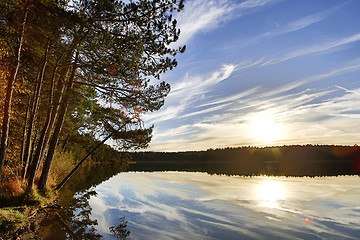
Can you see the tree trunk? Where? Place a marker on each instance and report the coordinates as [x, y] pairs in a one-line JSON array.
[[65, 142], [78, 165], [55, 137], [28, 139], [33, 115], [24, 132], [50, 119], [8, 98]]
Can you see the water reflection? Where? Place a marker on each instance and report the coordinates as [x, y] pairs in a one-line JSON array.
[[75, 217], [81, 224], [270, 193], [120, 231], [185, 205]]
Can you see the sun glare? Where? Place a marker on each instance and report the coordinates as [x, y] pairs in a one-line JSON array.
[[265, 129], [269, 192]]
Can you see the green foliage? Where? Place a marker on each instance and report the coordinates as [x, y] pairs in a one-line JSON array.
[[12, 219], [63, 162], [15, 210], [36, 199], [102, 56]]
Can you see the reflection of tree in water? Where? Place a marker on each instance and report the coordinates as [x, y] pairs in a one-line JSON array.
[[83, 227], [120, 231], [74, 197], [79, 212]]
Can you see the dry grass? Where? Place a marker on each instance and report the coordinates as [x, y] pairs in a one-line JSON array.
[[14, 187], [62, 164]]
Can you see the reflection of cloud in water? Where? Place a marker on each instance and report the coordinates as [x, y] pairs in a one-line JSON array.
[[180, 205]]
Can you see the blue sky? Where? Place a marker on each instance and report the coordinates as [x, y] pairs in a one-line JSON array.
[[263, 73]]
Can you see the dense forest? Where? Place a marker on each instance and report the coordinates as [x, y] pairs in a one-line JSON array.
[[308, 160], [76, 73]]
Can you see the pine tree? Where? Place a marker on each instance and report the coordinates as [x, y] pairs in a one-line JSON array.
[[14, 64], [118, 48]]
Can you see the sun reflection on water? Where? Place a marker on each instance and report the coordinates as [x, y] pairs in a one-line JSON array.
[[270, 193]]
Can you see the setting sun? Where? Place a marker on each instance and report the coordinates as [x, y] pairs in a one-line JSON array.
[[265, 129]]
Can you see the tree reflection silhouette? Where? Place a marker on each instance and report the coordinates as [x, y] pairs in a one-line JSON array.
[[79, 212], [120, 231]]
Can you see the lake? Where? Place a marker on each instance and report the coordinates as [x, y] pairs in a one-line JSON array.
[[198, 205]]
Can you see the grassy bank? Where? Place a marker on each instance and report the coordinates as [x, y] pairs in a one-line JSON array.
[[18, 206], [16, 211]]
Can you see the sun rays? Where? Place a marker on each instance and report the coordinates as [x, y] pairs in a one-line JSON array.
[[265, 129]]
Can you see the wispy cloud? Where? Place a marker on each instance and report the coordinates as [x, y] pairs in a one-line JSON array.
[[200, 15], [347, 90], [175, 132], [303, 117], [292, 85], [207, 110], [203, 110], [231, 98], [188, 90], [198, 84], [314, 49], [203, 15], [249, 4], [296, 25]]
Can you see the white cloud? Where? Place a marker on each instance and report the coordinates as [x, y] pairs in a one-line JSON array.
[[334, 72], [302, 117], [174, 132], [185, 92], [232, 98], [315, 49], [204, 15], [249, 4], [347, 90], [207, 110], [166, 113], [297, 24], [211, 117], [202, 82], [200, 15]]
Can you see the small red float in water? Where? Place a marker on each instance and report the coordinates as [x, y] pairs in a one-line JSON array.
[[307, 220]]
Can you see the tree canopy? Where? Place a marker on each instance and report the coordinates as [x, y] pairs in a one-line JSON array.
[[85, 66]]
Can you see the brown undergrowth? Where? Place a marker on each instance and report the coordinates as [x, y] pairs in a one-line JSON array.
[[18, 207]]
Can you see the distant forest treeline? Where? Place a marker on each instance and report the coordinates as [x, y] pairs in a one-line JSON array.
[[307, 160]]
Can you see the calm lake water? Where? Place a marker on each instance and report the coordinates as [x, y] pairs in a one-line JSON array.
[[196, 205]]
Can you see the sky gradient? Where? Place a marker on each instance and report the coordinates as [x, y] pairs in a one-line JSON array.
[[263, 73]]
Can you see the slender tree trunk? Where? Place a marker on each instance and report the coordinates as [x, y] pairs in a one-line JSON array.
[[6, 119], [34, 114], [8, 98], [65, 142], [33, 144], [54, 111], [50, 119], [55, 137], [81, 162], [29, 138], [24, 132]]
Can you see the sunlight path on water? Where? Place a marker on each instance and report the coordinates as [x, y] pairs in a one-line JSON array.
[[185, 205]]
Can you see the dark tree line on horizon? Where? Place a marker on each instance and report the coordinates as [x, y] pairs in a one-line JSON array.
[[83, 66], [294, 160]]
